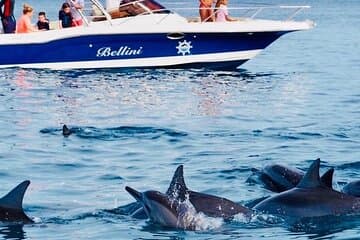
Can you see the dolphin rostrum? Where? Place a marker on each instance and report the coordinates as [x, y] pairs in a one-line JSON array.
[[11, 209], [178, 204], [312, 197]]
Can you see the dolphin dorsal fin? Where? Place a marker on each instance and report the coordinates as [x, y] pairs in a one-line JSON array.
[[14, 198], [66, 131], [177, 188], [327, 178], [311, 178]]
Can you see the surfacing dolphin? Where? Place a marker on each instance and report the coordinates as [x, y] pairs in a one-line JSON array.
[[310, 198], [277, 177], [280, 178], [178, 206], [66, 131], [11, 209], [352, 188]]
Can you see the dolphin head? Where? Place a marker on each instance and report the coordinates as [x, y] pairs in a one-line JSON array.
[[159, 207]]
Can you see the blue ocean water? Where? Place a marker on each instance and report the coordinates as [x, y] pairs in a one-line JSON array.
[[297, 101]]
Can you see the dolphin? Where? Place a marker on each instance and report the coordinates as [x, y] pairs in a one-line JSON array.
[[66, 131], [177, 207], [212, 206], [352, 188], [161, 209], [310, 198], [11, 209], [279, 178]]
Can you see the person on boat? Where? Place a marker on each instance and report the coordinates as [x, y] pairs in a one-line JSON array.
[[76, 6], [7, 16], [221, 11], [43, 22], [24, 24], [206, 12], [65, 16]]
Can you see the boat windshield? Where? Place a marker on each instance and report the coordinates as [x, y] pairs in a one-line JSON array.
[[137, 7]]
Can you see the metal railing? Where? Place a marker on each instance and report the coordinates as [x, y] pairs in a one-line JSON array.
[[253, 12], [246, 12]]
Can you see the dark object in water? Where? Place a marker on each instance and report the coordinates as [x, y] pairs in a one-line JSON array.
[[66, 131], [11, 209]]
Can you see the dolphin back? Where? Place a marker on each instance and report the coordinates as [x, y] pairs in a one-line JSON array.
[[214, 206], [352, 188]]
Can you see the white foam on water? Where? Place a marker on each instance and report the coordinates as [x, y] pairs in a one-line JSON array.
[[36, 219], [266, 218], [189, 218], [241, 218]]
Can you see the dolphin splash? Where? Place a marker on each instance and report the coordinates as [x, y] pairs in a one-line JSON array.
[[175, 207]]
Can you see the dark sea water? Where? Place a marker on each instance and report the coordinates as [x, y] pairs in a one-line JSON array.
[[297, 101]]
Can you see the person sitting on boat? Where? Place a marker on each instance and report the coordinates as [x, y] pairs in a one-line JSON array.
[[76, 6], [43, 22], [206, 12], [65, 16], [221, 11], [7, 16], [24, 24]]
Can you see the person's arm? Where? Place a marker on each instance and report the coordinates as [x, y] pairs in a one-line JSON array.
[[230, 19], [47, 25], [227, 17], [30, 27], [61, 15], [79, 5]]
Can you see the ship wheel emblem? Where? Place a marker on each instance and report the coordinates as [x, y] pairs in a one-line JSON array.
[[184, 47]]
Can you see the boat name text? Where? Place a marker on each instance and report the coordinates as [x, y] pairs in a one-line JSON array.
[[122, 51]]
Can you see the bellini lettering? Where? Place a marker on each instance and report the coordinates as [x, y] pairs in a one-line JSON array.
[[122, 51]]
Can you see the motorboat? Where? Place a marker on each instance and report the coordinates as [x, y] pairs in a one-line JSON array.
[[146, 34]]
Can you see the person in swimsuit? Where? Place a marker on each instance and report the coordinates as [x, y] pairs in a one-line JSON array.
[[24, 25], [206, 12]]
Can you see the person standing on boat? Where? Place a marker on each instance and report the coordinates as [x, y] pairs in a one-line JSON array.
[[206, 12], [65, 16], [24, 24], [76, 6], [7, 16]]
